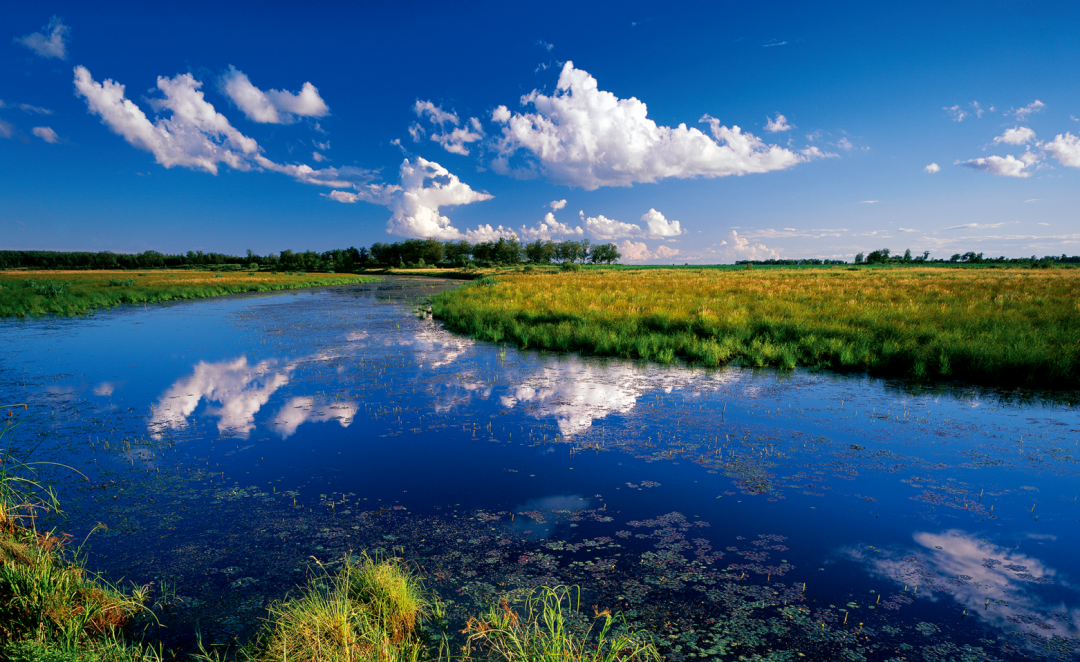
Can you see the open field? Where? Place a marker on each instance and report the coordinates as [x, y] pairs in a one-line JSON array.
[[76, 292], [1006, 327]]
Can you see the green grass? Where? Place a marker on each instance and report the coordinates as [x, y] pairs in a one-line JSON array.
[[547, 631], [370, 610], [51, 608], [70, 293], [1005, 327]]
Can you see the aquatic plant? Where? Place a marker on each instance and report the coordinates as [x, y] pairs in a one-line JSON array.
[[51, 608], [544, 632], [1002, 327], [370, 610]]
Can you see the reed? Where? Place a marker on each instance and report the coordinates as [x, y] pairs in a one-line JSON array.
[[370, 610], [1006, 327], [544, 632], [71, 293], [51, 607]]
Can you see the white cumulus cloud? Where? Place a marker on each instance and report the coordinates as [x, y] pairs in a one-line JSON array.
[[1016, 136], [778, 124], [658, 226], [1064, 148], [583, 136], [425, 187], [638, 251], [1008, 166], [603, 228], [53, 45], [195, 136], [932, 168], [557, 204], [635, 251], [46, 134], [550, 227], [740, 248], [272, 106]]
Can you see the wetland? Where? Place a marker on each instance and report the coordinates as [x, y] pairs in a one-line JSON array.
[[225, 451]]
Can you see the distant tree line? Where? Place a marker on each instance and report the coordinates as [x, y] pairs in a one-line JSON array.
[[432, 252], [885, 256], [791, 262], [408, 253]]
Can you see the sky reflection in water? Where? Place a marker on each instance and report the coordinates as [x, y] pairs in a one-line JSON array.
[[961, 493]]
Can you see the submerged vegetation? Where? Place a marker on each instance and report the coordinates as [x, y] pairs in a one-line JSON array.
[[376, 610], [74, 293], [1000, 327]]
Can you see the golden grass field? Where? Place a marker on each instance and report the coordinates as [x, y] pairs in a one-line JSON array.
[[997, 326]]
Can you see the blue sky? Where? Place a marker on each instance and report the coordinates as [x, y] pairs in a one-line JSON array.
[[699, 133]]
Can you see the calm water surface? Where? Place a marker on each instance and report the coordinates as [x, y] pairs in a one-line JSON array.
[[224, 448]]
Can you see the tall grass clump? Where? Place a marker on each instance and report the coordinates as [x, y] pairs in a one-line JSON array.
[[88, 290], [1004, 327], [371, 610], [51, 608], [545, 631]]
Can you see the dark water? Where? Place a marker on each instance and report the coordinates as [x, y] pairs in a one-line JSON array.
[[229, 446]]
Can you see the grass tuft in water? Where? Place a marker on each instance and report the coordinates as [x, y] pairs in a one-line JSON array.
[[370, 610], [546, 631]]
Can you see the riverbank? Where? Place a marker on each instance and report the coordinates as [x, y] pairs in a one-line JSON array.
[[996, 327], [70, 293]]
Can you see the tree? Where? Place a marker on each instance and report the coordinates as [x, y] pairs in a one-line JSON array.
[[540, 251], [604, 254], [858, 258], [878, 256], [907, 255], [457, 252]]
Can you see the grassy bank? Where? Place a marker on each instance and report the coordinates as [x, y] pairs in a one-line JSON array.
[[51, 608], [1007, 327], [74, 293]]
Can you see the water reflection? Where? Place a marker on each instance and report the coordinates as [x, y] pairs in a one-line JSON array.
[[300, 410], [1004, 588], [238, 388], [576, 392]]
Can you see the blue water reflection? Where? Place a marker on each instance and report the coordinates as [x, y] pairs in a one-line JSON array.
[[332, 409]]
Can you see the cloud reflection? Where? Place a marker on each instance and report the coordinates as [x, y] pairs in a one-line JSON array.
[[298, 411], [238, 388], [971, 571], [576, 392]]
